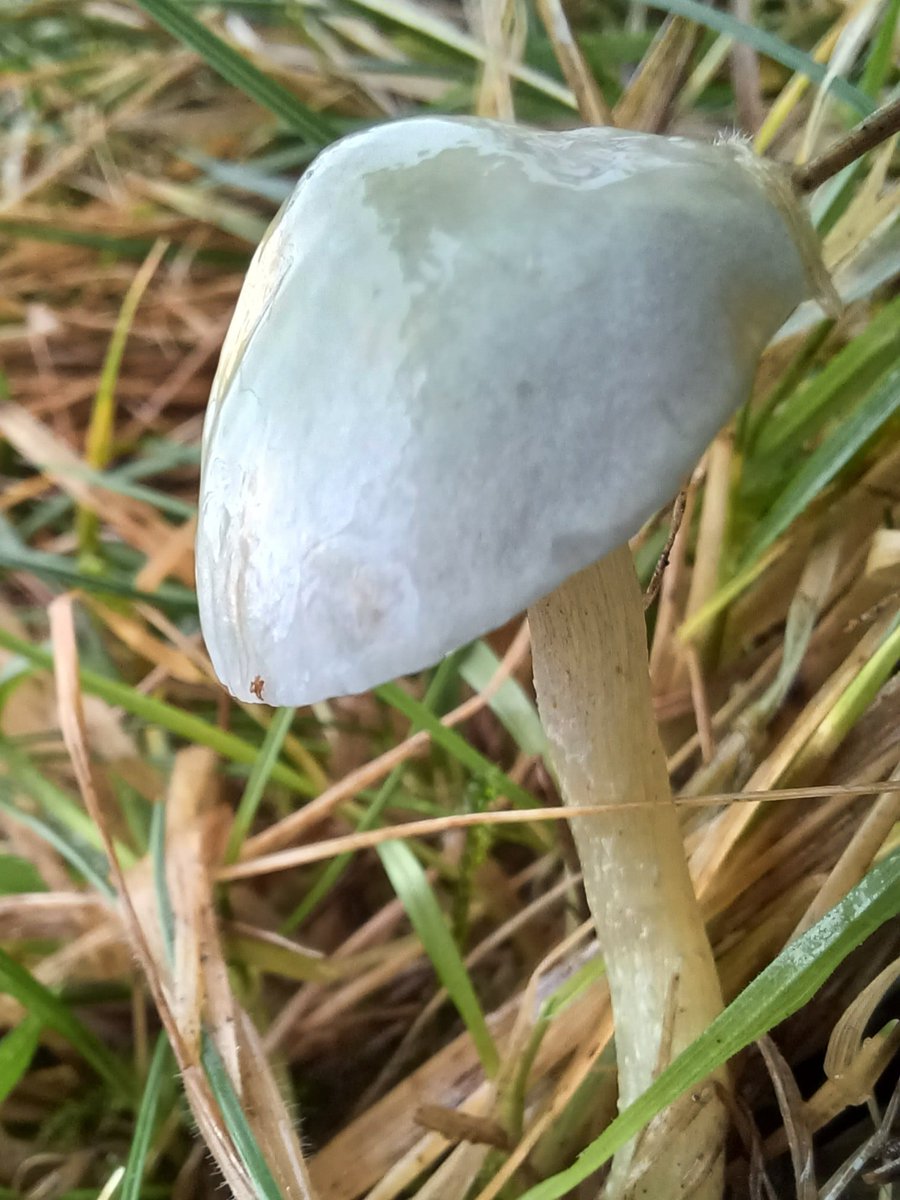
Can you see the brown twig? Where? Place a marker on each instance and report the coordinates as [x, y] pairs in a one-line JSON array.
[[859, 141], [311, 852], [663, 561]]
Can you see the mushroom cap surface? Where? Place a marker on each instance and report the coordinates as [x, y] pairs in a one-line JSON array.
[[468, 360]]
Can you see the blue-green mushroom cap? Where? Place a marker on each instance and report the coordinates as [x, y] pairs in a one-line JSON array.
[[468, 360]]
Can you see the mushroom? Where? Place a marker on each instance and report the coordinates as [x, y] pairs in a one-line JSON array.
[[469, 361]]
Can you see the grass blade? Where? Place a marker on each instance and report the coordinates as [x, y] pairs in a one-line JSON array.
[[41, 1003], [156, 712], [160, 1064], [765, 43], [238, 71], [509, 704], [99, 436], [18, 875], [778, 992], [424, 22], [16, 1052], [127, 247], [174, 599], [72, 855], [454, 744], [259, 777], [411, 885], [332, 872], [56, 803], [157, 850], [808, 409], [236, 1121], [878, 64], [821, 467]]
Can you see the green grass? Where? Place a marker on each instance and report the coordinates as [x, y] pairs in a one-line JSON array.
[[39, 1002], [160, 1066], [777, 993], [151, 120]]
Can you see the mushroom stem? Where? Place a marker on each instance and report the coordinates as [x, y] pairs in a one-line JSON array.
[[593, 688]]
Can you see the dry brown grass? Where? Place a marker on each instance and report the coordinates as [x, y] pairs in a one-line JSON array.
[[780, 702]]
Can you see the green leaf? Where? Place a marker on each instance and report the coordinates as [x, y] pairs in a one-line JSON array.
[[73, 855], [40, 1002], [16, 1052], [57, 568], [160, 1065], [846, 711], [99, 435], [821, 467], [156, 712], [409, 881], [881, 55], [283, 958], [260, 772], [454, 744], [509, 703], [778, 992], [832, 388], [242, 177], [236, 1122], [19, 875], [239, 71], [57, 804], [127, 247], [157, 849], [332, 872], [117, 480], [767, 44]]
